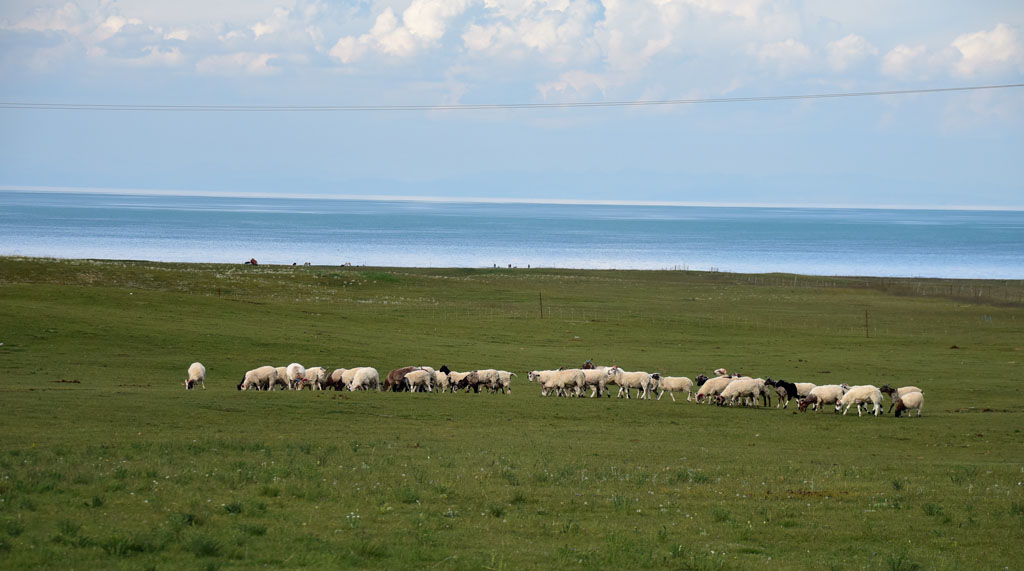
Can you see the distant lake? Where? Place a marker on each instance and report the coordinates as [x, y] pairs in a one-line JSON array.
[[863, 242]]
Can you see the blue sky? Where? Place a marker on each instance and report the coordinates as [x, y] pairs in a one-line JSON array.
[[947, 149]]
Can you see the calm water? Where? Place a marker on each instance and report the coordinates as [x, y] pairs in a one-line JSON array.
[[960, 244]]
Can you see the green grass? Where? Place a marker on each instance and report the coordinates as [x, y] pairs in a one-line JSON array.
[[125, 469]]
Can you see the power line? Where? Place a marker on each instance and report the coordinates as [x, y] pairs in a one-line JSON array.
[[483, 106]]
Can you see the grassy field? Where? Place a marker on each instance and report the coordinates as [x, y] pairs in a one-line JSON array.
[[125, 469]]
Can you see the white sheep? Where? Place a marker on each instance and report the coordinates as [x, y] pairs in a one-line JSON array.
[[742, 388], [505, 378], [910, 401], [489, 379], [362, 378], [456, 378], [295, 373], [419, 381], [260, 378], [598, 379], [643, 382], [712, 388], [822, 395], [315, 377], [282, 379], [196, 374], [568, 382], [443, 382], [803, 389], [861, 395], [672, 385], [895, 394]]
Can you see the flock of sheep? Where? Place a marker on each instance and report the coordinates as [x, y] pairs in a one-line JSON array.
[[724, 389]]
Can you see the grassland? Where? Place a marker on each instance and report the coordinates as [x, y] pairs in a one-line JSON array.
[[125, 469]]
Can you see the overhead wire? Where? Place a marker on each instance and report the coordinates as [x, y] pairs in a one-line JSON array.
[[65, 106]]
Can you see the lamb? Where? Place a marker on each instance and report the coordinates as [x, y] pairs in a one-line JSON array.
[[822, 395], [314, 377], [860, 395], [895, 394], [673, 385], [196, 374], [911, 400], [258, 378], [643, 382], [362, 378], [711, 388], [560, 382]]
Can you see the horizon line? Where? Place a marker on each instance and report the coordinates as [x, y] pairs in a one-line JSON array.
[[486, 200]]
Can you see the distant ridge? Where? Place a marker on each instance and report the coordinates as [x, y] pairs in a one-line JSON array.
[[486, 200]]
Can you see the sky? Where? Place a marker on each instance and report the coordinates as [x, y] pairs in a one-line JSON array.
[[950, 149]]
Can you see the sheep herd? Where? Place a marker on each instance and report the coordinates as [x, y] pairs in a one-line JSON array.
[[724, 389]]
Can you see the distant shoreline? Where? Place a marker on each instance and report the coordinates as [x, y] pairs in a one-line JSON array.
[[487, 200]]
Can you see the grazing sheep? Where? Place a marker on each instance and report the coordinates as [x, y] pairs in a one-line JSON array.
[[643, 382], [569, 382], [196, 374], [362, 379], [443, 382], [895, 394], [822, 395], [334, 380], [418, 380], [314, 377], [395, 381], [861, 395], [673, 385], [295, 373], [712, 388], [742, 388], [803, 389], [282, 379], [457, 380], [260, 378], [910, 401]]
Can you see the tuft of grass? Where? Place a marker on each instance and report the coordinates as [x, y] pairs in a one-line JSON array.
[[901, 561], [203, 546], [233, 508]]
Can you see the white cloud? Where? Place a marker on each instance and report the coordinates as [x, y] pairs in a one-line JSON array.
[[241, 63], [577, 81], [905, 62], [155, 57], [181, 35], [987, 53], [423, 23], [786, 57], [849, 51]]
